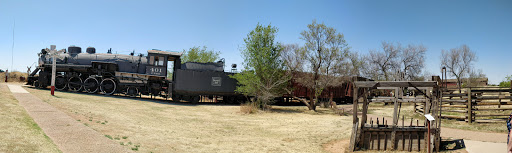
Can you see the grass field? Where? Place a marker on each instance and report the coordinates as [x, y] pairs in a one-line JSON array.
[[18, 132], [157, 126]]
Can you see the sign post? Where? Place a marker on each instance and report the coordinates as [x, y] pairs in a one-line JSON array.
[[429, 119], [54, 55]]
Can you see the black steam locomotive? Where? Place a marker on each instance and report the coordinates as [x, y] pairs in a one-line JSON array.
[[133, 75]]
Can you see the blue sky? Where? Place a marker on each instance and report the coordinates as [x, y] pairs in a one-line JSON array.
[[485, 26]]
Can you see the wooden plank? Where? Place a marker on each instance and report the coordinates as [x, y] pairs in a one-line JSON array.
[[493, 97], [364, 113], [352, 144], [455, 101], [419, 141], [456, 106], [470, 107], [378, 141], [492, 90], [395, 120], [454, 95], [488, 115], [368, 84], [403, 141], [354, 103], [456, 111], [454, 117], [490, 109]]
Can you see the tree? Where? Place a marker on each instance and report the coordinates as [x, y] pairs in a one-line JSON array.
[[396, 62], [293, 56], [458, 62], [474, 77], [356, 64], [263, 75], [198, 54], [506, 82], [384, 62], [411, 62], [325, 50]]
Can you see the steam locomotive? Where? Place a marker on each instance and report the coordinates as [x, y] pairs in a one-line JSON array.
[[133, 75]]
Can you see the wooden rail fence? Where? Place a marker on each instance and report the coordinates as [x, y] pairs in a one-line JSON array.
[[475, 104]]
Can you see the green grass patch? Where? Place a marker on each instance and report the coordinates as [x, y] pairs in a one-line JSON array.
[[108, 136]]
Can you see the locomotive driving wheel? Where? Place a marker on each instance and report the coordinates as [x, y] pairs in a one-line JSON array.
[[132, 91], [108, 86], [75, 84], [60, 83], [91, 85]]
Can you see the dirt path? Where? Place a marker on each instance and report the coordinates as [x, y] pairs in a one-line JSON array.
[[68, 134]]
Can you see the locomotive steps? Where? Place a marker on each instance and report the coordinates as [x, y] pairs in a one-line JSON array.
[[68, 134]]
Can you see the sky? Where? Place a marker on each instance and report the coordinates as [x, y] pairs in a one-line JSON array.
[[127, 25]]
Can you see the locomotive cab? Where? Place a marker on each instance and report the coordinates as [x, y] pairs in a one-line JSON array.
[[158, 61]]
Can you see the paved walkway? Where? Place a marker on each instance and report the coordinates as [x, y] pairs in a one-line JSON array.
[[69, 135], [473, 146]]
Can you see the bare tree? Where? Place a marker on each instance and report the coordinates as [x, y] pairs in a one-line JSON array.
[[396, 62], [474, 78], [325, 50], [411, 62], [293, 56], [355, 64], [458, 62], [385, 62]]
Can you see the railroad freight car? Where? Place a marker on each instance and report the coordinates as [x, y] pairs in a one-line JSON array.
[[342, 93]]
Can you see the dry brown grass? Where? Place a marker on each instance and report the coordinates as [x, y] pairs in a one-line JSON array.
[[248, 108], [156, 126], [18, 132], [13, 76]]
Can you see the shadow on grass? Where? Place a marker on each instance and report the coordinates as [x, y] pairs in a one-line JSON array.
[[286, 110]]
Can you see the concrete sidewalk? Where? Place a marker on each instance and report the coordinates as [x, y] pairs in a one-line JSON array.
[[473, 146], [69, 135]]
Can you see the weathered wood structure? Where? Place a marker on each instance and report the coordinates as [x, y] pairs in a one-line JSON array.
[[488, 104], [369, 136]]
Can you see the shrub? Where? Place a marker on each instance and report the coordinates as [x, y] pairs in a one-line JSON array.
[[249, 108]]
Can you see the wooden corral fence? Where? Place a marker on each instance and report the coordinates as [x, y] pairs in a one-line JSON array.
[[488, 104], [383, 136]]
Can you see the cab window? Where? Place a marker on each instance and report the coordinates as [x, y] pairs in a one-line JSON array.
[[156, 60]]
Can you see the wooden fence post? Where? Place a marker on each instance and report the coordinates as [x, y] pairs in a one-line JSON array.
[[398, 93], [470, 108]]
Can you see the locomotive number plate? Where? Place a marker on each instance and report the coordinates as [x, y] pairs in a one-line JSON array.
[[153, 70], [216, 81]]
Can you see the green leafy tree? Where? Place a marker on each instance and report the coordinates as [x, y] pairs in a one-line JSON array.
[[506, 82], [198, 54], [263, 76]]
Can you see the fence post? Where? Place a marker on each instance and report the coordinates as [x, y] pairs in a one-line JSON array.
[[470, 108]]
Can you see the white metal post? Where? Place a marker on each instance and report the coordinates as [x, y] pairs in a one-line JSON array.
[[54, 67]]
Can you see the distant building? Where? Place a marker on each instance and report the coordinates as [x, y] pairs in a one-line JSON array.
[[476, 82]]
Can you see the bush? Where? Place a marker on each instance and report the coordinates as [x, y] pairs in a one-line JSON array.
[[14, 77], [249, 108], [506, 82]]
